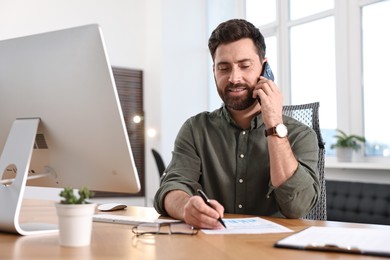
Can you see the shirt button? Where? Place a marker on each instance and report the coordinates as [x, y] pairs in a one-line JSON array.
[[240, 206], [242, 156], [243, 132], [240, 180]]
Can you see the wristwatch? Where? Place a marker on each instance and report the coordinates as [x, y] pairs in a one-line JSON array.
[[279, 130]]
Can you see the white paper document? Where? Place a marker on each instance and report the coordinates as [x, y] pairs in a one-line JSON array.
[[349, 240], [253, 225]]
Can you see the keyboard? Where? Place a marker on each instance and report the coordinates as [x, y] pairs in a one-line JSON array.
[[129, 220]]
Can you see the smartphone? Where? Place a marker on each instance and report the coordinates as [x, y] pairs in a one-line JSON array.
[[267, 73]]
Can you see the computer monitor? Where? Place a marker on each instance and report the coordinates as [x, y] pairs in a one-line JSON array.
[[60, 118]]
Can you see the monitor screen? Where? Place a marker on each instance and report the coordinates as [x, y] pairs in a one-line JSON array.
[[63, 79]]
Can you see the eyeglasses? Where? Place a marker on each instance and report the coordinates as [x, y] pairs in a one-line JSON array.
[[179, 228]]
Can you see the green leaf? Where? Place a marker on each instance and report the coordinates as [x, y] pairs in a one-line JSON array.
[[347, 141], [70, 197]]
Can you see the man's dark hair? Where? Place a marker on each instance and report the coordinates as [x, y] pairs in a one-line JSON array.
[[234, 30]]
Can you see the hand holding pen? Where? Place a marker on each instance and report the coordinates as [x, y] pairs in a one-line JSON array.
[[207, 201]]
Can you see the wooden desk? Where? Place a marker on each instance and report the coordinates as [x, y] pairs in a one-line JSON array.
[[116, 241]]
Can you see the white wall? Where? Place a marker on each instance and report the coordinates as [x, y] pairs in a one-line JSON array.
[[167, 39], [184, 72], [123, 23]]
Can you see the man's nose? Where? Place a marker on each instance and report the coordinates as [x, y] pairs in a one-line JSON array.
[[235, 76]]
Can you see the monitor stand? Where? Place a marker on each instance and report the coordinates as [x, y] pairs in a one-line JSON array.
[[17, 154]]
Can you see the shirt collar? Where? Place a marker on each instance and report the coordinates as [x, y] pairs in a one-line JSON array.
[[256, 122]]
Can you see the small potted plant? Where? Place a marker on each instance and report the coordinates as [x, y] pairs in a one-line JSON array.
[[346, 144], [75, 217]]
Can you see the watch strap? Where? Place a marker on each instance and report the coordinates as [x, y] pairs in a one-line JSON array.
[[270, 131]]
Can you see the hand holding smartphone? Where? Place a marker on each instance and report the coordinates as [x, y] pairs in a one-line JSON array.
[[267, 73]]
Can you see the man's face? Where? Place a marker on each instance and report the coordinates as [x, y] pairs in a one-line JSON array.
[[237, 68]]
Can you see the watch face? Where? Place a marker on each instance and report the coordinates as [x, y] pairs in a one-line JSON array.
[[281, 130]]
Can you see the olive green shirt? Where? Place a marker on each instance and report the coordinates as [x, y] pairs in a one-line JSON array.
[[232, 166]]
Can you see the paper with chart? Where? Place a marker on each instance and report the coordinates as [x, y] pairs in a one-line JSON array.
[[253, 225]]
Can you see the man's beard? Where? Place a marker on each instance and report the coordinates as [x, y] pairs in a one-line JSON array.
[[235, 102]]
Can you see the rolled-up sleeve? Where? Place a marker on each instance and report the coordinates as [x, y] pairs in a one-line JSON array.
[[298, 195], [183, 171]]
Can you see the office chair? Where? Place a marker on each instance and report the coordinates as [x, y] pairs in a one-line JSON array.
[[159, 162], [308, 114]]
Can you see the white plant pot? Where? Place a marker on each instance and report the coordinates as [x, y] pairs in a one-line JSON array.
[[75, 224], [344, 154]]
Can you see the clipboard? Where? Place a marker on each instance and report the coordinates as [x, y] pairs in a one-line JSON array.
[[365, 241]]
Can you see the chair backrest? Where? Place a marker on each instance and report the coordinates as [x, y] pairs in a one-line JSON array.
[[159, 162], [308, 114]]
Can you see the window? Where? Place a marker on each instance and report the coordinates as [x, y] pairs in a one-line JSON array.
[[313, 68], [255, 14], [313, 64], [334, 52], [376, 55], [303, 8]]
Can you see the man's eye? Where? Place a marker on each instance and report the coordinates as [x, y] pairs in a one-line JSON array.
[[223, 68], [245, 66]]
